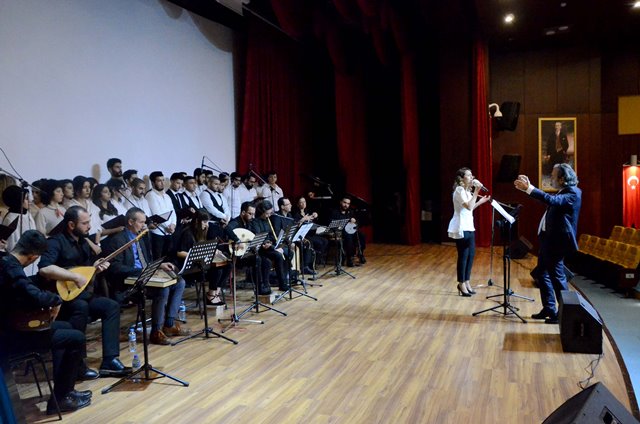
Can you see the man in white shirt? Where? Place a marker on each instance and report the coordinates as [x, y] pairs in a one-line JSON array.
[[160, 203], [233, 194], [214, 202], [272, 191], [189, 198], [137, 199], [249, 193]]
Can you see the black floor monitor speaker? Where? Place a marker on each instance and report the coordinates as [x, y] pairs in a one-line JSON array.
[[580, 324], [520, 248], [595, 404], [510, 112]]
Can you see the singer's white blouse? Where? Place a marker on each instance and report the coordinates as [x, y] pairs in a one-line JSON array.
[[462, 219]]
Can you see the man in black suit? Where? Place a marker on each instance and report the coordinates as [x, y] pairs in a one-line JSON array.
[[165, 301], [557, 232], [556, 148]]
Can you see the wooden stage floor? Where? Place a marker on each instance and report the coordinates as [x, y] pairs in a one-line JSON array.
[[395, 345]]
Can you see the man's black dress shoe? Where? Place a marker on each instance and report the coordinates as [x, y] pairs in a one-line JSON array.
[[81, 394], [87, 374], [544, 313], [68, 403], [264, 291], [309, 271], [114, 368], [552, 320], [362, 259]]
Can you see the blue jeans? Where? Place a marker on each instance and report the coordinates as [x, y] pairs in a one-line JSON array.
[[466, 251], [165, 303]]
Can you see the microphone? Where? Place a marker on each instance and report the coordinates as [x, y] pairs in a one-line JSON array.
[[202, 164], [250, 167], [481, 187]]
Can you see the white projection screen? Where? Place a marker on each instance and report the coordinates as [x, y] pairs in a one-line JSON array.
[[85, 80]]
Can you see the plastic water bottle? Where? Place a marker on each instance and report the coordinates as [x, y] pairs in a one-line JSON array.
[[135, 364], [182, 312], [132, 340]]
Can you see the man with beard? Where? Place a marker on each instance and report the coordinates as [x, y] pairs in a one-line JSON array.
[[114, 166], [68, 249], [352, 243]]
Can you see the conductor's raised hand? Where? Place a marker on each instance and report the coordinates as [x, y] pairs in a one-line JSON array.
[[522, 182]]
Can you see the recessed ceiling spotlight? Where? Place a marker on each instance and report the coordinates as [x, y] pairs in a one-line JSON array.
[[563, 4], [563, 28], [509, 18], [636, 5], [550, 32]]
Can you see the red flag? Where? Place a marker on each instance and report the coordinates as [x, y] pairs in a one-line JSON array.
[[631, 196]]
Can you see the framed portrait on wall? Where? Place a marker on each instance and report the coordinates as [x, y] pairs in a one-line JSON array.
[[557, 143]]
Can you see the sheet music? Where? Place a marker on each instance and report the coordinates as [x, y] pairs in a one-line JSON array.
[[502, 212], [302, 231]]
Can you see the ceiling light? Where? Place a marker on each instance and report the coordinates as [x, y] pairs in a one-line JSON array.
[[509, 18], [636, 5], [550, 32], [563, 28]]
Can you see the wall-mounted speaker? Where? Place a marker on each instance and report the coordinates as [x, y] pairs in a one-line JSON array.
[[510, 112], [593, 405], [580, 324]]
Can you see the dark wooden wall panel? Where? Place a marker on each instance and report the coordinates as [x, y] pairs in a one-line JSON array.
[[541, 83], [573, 82], [580, 82]]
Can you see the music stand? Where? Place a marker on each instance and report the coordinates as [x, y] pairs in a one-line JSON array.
[[252, 247], [199, 258], [336, 226], [507, 308], [138, 291], [292, 234]]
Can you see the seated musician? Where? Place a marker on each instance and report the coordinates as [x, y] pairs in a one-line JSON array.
[[199, 230], [318, 245], [69, 249], [268, 252], [165, 300], [244, 220], [18, 295], [352, 243]]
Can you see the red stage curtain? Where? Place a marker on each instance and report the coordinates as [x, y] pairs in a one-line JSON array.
[[411, 151], [631, 196], [274, 121], [482, 156]]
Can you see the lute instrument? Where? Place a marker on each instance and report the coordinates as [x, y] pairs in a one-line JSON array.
[[68, 290]]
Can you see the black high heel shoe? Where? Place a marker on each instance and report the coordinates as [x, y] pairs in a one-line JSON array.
[[462, 293], [470, 290]]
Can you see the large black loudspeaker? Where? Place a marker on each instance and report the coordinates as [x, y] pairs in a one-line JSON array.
[[593, 405], [520, 248], [510, 112], [580, 324]]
